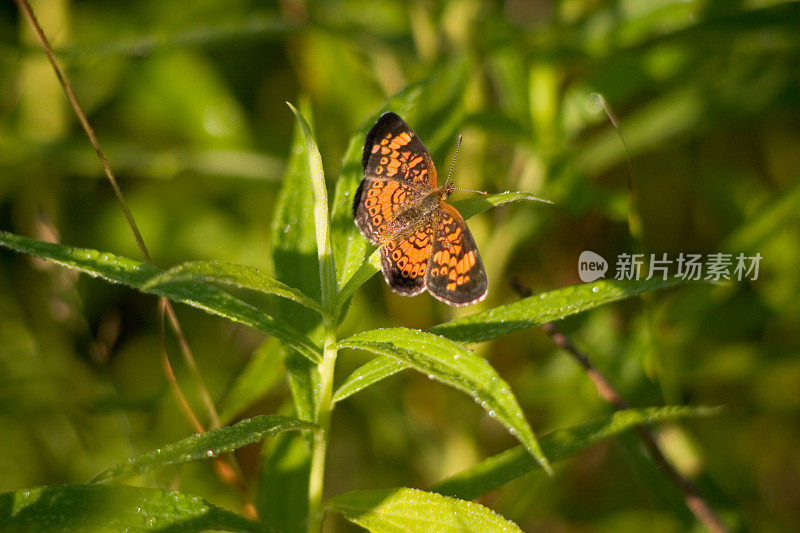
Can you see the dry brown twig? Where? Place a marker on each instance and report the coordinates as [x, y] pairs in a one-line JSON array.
[[227, 466], [694, 501]]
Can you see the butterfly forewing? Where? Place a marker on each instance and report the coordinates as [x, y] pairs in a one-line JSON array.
[[393, 151]]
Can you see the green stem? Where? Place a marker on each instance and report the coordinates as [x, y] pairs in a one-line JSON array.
[[320, 447]]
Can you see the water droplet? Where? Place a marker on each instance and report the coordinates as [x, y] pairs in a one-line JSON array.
[[286, 228], [456, 356], [346, 194], [430, 376], [491, 413], [210, 453], [513, 431], [595, 289]]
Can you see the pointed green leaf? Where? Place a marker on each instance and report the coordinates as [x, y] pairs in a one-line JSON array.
[[498, 470], [240, 276], [349, 246], [261, 373], [529, 312], [327, 269], [115, 508], [367, 374], [545, 307], [282, 495], [206, 445], [468, 208], [136, 274], [296, 263], [282, 498], [458, 367], [367, 269], [413, 510]]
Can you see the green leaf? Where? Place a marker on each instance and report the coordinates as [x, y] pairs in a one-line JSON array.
[[206, 445], [458, 367], [367, 269], [240, 276], [264, 369], [545, 307], [468, 208], [498, 470], [282, 498], [136, 274], [349, 246], [296, 263], [115, 508], [370, 372], [327, 269], [525, 313], [412, 510], [282, 495]]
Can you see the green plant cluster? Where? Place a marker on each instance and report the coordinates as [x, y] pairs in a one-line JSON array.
[[663, 127]]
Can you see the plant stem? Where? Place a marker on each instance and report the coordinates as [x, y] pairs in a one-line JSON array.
[[316, 479]]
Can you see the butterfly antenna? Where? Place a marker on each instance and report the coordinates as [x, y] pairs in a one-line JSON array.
[[448, 182]]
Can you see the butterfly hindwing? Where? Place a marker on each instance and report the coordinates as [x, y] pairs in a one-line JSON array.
[[455, 271], [405, 260]]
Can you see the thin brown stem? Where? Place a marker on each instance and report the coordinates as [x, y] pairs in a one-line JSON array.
[[227, 466], [190, 362], [696, 503], [170, 373], [230, 471], [25, 7]]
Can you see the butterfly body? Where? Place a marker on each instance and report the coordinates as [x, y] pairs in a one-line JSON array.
[[424, 242]]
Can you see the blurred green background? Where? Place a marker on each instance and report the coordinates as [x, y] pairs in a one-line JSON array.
[[188, 98]]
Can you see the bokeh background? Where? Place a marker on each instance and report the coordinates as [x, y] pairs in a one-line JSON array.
[[188, 100]]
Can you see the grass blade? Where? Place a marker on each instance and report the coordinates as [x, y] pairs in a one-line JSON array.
[[504, 319], [545, 307], [136, 274], [498, 470], [327, 269], [414, 510], [371, 372], [115, 508], [240, 276], [206, 445], [453, 365], [264, 369]]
